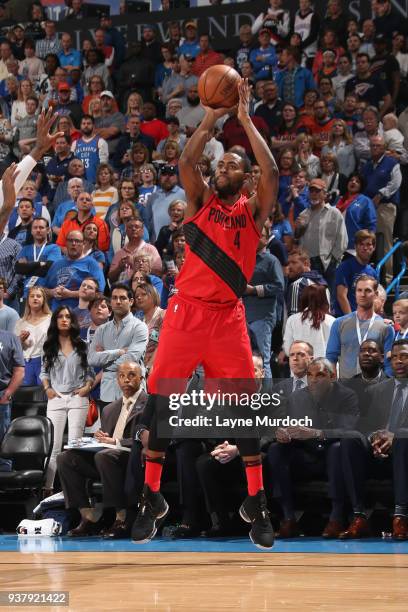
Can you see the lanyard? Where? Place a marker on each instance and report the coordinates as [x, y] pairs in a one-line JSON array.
[[37, 257], [358, 330], [400, 336]]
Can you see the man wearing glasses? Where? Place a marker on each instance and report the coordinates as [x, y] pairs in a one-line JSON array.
[[65, 276]]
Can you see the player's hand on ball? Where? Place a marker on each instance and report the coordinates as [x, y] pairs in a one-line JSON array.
[[217, 113]]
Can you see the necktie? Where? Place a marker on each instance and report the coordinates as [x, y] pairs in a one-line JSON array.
[[299, 384], [397, 408]]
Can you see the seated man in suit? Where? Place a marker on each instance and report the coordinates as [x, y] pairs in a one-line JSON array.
[[300, 355], [383, 450], [313, 451], [119, 421], [371, 361]]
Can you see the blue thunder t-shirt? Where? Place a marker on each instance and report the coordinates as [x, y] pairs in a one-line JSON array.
[[88, 153], [70, 274]]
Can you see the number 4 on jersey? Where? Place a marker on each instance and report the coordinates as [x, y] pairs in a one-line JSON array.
[[237, 239]]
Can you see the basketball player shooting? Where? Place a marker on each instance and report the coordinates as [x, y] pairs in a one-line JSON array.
[[205, 320]]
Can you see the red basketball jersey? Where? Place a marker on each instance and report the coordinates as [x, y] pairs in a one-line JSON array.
[[220, 252]]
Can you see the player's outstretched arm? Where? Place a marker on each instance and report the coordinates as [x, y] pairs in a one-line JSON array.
[[44, 142], [8, 194], [196, 189], [268, 185]]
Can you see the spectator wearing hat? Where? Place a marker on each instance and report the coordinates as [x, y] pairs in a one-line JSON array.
[[157, 208], [321, 231], [66, 107], [190, 46], [173, 125], [111, 124], [69, 57], [263, 58], [50, 43], [328, 41], [385, 66], [177, 84], [207, 56], [113, 38]]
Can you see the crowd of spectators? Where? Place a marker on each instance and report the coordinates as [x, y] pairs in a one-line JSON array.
[[91, 247]]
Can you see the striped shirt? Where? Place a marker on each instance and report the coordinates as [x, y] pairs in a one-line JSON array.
[[9, 252], [47, 45], [103, 199]]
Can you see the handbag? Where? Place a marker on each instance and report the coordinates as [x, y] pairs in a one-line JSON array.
[[93, 413]]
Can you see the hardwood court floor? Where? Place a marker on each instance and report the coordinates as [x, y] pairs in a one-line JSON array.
[[213, 582]]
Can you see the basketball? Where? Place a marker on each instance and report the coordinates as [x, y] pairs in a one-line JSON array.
[[218, 87]]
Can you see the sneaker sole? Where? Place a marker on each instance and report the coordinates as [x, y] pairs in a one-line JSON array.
[[259, 545], [154, 531], [246, 518]]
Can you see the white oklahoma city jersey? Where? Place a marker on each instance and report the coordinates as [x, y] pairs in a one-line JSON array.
[[25, 167]]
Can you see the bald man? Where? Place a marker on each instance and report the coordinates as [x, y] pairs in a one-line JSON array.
[[119, 421]]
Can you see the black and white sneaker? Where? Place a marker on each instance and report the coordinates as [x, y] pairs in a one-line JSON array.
[[254, 510], [152, 508]]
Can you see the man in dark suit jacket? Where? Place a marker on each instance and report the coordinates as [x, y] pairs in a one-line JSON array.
[[383, 448], [312, 450], [371, 360], [119, 421]]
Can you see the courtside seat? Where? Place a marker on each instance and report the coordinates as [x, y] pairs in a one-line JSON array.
[[28, 444], [29, 401]]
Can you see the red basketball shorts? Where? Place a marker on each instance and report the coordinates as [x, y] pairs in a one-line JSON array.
[[194, 333]]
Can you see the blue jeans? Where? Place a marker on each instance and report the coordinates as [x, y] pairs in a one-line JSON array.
[[32, 372], [5, 418], [262, 331]]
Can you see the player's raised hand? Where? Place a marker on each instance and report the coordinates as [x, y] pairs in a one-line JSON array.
[[217, 113], [45, 140], [244, 91], [8, 187]]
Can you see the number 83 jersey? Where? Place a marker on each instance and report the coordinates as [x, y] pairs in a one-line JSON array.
[[220, 252]]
